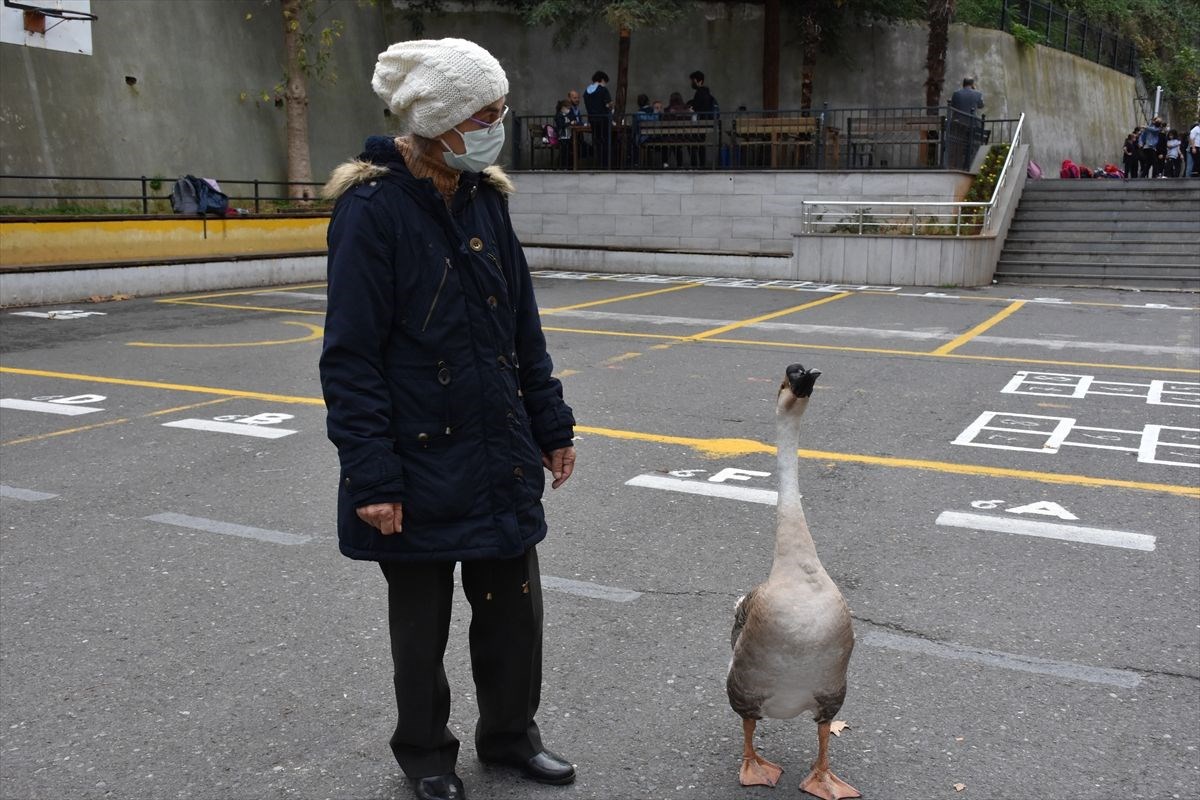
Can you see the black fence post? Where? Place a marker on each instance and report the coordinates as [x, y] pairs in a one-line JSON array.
[[145, 200], [256, 211], [516, 142]]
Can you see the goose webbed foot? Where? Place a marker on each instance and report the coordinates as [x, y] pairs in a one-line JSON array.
[[756, 770], [826, 785], [821, 782]]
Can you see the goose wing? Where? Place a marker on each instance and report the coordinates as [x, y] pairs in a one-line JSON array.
[[741, 612]]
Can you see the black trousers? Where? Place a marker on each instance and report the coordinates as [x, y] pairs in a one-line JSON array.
[[506, 659]]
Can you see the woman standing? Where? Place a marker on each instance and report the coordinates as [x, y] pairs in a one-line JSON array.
[[442, 406]]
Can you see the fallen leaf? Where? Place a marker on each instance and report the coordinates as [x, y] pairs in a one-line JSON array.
[[837, 726], [958, 787], [119, 297], [97, 298]]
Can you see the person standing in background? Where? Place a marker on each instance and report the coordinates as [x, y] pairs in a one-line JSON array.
[[599, 106], [1194, 149]]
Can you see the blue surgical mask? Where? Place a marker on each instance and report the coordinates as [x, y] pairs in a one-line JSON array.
[[482, 149]]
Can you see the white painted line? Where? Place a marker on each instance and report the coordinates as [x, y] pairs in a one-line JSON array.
[[64, 409], [24, 494], [304, 295], [212, 425], [1047, 530], [592, 590], [227, 528], [766, 497], [1124, 679]]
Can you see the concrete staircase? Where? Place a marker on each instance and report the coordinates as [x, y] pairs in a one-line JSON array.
[[1141, 234]]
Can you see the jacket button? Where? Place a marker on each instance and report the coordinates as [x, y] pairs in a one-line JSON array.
[[443, 376], [491, 301], [518, 472], [502, 361], [476, 244], [347, 482], [422, 437], [474, 191]]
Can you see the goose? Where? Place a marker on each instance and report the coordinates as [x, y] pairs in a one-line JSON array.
[[792, 635]]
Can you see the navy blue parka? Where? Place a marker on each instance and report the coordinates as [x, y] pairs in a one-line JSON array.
[[435, 373]]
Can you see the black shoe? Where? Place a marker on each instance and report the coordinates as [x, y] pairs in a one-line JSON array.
[[440, 787], [545, 767]]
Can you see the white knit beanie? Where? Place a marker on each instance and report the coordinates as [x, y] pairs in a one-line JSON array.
[[431, 85]]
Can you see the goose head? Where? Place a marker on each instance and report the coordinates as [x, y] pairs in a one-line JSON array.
[[796, 389]]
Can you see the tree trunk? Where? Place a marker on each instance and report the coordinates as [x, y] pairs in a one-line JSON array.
[[624, 36], [810, 38], [939, 13], [770, 63], [299, 167]]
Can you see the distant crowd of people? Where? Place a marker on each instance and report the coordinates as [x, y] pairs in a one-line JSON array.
[[592, 123], [1157, 151]]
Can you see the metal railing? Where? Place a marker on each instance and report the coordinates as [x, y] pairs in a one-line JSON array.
[[894, 138], [889, 217], [1062, 30], [63, 189]]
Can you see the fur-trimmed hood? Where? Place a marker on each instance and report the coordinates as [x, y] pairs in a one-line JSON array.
[[378, 152]]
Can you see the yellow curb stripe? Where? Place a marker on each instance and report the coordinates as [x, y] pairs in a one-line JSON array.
[[626, 334], [606, 301], [954, 344], [188, 407], [315, 332], [753, 320]]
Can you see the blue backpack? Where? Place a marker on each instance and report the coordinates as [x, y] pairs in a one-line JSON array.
[[192, 195]]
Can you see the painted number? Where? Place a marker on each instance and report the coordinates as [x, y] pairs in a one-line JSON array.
[[1043, 508], [735, 474], [74, 400], [257, 419]]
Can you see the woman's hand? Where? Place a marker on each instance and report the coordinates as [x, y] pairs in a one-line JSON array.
[[384, 516], [561, 463]]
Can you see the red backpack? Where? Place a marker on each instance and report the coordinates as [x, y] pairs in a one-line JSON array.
[[1069, 169]]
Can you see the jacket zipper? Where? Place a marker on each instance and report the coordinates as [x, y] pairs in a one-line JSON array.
[[436, 295]]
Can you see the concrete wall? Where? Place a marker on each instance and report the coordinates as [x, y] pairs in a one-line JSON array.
[[736, 212], [64, 114]]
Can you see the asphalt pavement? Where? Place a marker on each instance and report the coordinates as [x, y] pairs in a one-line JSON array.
[[1003, 482]]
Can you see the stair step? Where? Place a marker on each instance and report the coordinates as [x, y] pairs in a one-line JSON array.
[[1132, 260], [1083, 225], [1046, 205], [1082, 267], [1116, 281], [1132, 217], [1143, 251]]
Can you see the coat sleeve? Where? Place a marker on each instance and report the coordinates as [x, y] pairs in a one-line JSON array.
[[551, 418], [358, 323]]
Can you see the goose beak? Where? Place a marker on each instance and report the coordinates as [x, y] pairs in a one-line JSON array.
[[801, 380]]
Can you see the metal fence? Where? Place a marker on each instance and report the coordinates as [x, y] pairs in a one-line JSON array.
[[826, 139], [899, 218], [1060, 29], [145, 195]]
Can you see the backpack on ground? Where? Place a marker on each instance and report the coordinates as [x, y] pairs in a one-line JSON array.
[[192, 195], [1034, 170], [1069, 169]]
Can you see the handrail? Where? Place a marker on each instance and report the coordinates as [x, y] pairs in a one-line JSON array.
[[866, 219]]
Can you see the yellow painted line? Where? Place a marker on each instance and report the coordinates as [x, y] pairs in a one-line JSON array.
[[622, 298], [1052, 405], [247, 308], [721, 448], [754, 320], [242, 292], [954, 344], [42, 436], [566, 373], [619, 359], [314, 332], [173, 387], [188, 407], [958, 356]]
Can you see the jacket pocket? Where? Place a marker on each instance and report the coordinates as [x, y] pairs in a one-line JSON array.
[[444, 478], [436, 296]]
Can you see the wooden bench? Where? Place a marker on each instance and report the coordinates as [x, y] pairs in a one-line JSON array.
[[659, 139], [864, 134], [789, 140]]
